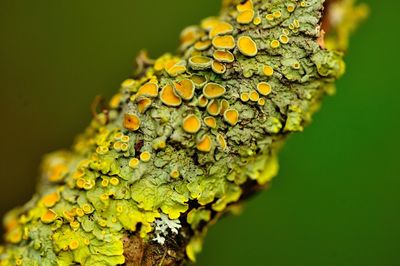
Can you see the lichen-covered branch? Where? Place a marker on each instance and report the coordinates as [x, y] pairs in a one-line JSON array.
[[184, 140]]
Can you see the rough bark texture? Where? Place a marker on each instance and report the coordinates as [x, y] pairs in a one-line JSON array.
[[186, 139]]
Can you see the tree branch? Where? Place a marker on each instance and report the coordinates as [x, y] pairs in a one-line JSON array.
[[186, 139]]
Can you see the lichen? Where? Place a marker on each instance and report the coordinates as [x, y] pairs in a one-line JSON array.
[[182, 141]]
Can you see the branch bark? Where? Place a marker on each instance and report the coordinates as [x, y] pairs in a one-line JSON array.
[[186, 139]]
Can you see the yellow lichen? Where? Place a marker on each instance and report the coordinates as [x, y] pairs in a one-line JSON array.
[[220, 29], [245, 17], [131, 122], [199, 81], [134, 163], [202, 45], [210, 121], [284, 39], [48, 217], [247, 46], [268, 70], [261, 102], [223, 56], [191, 124], [254, 96], [275, 44], [185, 89], [145, 156], [224, 105], [224, 42], [199, 62], [248, 5], [290, 8], [231, 116], [213, 90], [221, 141], [149, 89], [202, 101], [209, 23], [264, 88], [168, 96], [51, 199], [205, 144], [218, 67], [244, 97], [144, 104], [257, 21], [213, 108]]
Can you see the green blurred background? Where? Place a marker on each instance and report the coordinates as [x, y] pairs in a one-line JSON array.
[[336, 199]]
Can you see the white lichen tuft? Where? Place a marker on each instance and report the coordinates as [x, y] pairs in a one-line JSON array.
[[162, 226]]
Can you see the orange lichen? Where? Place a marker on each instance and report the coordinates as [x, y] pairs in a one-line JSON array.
[[218, 67], [284, 39], [134, 163], [198, 80], [145, 156], [231, 116], [247, 46], [48, 217], [51, 199], [149, 89], [168, 96], [223, 56], [254, 96], [264, 88], [244, 97], [257, 21], [209, 23], [210, 121], [213, 90], [290, 8], [275, 44], [268, 70], [57, 172], [221, 141], [185, 89], [270, 17], [73, 245], [248, 5], [204, 144], [202, 101], [213, 108], [261, 102], [277, 14], [296, 65], [191, 124], [144, 104], [176, 70], [245, 17], [175, 173], [131, 122], [114, 181], [224, 42], [115, 101], [189, 36], [224, 105], [221, 29], [202, 45], [199, 62]]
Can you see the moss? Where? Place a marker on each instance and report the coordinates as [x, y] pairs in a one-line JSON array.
[[166, 156]]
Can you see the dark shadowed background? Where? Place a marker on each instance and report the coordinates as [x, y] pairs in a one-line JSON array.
[[336, 199]]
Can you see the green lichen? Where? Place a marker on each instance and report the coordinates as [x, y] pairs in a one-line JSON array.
[[137, 161]]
